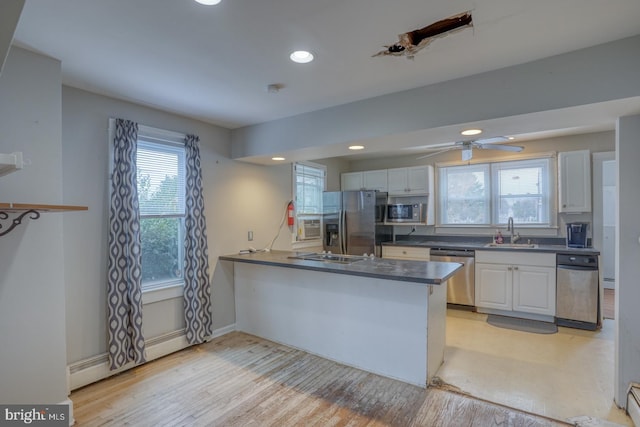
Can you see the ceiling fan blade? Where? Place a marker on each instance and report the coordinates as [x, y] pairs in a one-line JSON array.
[[490, 140], [514, 148], [437, 152]]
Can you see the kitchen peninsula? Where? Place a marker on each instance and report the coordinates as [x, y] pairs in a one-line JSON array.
[[383, 316]]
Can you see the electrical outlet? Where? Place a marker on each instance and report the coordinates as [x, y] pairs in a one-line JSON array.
[[250, 236]]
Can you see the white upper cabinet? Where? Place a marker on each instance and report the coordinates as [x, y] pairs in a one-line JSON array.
[[375, 180], [367, 180], [351, 181], [574, 181], [408, 181]]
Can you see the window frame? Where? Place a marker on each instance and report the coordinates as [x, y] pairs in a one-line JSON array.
[[295, 235], [549, 228], [146, 140]]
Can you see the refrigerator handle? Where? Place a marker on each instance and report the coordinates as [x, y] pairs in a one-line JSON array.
[[343, 231]]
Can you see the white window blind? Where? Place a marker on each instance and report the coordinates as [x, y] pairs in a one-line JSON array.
[[161, 175], [309, 185]]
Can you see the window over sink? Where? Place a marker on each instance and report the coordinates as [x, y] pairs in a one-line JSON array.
[[487, 194]]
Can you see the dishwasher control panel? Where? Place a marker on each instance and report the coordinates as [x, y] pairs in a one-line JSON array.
[[577, 260]]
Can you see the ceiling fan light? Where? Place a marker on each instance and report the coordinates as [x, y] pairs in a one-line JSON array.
[[208, 2], [467, 154], [471, 132]]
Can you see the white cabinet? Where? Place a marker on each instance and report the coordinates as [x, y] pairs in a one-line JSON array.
[[574, 181], [494, 286], [10, 163], [375, 180], [406, 252], [367, 180], [513, 281], [351, 181], [412, 180]]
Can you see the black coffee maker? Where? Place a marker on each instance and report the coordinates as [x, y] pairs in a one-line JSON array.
[[577, 234]]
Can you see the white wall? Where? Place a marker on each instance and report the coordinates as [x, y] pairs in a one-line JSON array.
[[627, 255], [32, 291], [238, 197]]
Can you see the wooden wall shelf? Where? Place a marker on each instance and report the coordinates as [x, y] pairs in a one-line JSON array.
[[21, 207], [32, 210]]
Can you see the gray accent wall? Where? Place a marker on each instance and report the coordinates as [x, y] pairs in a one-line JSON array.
[[587, 76], [627, 256], [238, 197], [32, 285]]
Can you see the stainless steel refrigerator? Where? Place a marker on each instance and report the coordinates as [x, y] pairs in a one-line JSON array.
[[353, 222]]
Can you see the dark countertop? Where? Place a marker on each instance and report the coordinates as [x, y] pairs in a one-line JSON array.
[[429, 273], [558, 249]]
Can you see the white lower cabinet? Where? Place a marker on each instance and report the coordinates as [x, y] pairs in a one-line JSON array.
[[522, 282]]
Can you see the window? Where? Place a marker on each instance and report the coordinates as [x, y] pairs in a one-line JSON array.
[[308, 186], [488, 194], [161, 196]]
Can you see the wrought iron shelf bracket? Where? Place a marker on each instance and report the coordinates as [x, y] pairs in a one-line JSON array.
[[29, 211], [17, 220]]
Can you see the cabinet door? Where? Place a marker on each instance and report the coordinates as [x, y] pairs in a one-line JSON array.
[[493, 286], [534, 289], [418, 180], [397, 180], [351, 181], [574, 186], [375, 180]]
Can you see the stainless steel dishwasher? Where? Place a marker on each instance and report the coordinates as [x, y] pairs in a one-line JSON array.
[[461, 286], [577, 292]]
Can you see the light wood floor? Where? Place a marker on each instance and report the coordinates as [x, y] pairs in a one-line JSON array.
[[241, 380]]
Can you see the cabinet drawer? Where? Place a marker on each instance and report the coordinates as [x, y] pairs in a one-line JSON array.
[[406, 252], [517, 258]]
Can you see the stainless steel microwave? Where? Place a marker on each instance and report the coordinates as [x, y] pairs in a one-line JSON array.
[[416, 212]]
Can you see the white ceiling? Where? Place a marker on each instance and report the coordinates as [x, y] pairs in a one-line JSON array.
[[213, 63]]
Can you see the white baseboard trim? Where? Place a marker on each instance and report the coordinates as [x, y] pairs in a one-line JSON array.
[[96, 368], [223, 331], [69, 403]]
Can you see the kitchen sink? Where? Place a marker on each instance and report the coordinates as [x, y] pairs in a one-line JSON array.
[[512, 245], [340, 259]]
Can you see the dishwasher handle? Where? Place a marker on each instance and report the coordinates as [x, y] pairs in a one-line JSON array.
[[576, 267]]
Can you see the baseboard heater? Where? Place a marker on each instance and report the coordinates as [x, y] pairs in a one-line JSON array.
[[633, 403]]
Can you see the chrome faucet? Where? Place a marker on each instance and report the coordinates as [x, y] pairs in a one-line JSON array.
[[510, 228]]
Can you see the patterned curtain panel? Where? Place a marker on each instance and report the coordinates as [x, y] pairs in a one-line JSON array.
[[124, 294], [197, 288]]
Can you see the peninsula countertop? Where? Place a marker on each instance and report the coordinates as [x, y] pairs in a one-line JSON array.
[[423, 272]]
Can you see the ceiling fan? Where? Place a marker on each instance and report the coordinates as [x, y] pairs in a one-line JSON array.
[[482, 143]]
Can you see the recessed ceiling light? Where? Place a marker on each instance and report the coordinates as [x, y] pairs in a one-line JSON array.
[[469, 132], [278, 159], [301, 56], [511, 138], [208, 2], [356, 147]]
